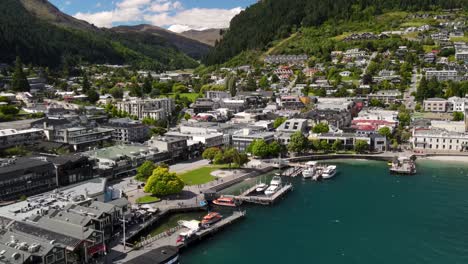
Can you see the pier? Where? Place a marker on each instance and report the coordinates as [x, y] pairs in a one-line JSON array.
[[170, 238], [262, 199]]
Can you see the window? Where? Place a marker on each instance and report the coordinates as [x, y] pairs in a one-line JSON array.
[[60, 255], [50, 258]]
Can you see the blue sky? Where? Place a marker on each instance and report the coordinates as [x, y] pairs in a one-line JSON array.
[[176, 15]]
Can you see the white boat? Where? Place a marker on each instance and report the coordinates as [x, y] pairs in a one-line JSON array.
[[275, 185], [310, 171], [261, 187], [329, 172], [276, 180], [271, 190]]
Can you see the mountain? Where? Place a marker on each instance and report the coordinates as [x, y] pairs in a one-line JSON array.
[[207, 36], [48, 12], [271, 20], [40, 34], [191, 47]]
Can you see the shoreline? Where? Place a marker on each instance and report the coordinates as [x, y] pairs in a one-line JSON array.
[[446, 158]]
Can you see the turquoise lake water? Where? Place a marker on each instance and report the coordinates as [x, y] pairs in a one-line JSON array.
[[363, 215]]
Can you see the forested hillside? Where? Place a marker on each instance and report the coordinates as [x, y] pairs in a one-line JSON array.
[[41, 42], [269, 20]]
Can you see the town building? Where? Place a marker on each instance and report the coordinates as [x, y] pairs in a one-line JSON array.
[[13, 138], [386, 96], [157, 109], [439, 140], [286, 59], [376, 142], [78, 137], [126, 130], [123, 160], [175, 146], [435, 105], [25, 177], [242, 139]]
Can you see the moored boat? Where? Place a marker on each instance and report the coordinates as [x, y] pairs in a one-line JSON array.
[[225, 201], [272, 190], [261, 187], [329, 172], [211, 218], [275, 185], [310, 171]]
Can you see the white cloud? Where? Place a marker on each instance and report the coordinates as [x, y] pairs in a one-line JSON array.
[[196, 18], [166, 13], [132, 3]]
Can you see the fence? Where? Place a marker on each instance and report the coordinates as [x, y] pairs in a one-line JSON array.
[[150, 239]]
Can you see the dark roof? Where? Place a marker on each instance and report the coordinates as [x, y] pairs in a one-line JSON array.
[[46, 234], [22, 164], [156, 256], [63, 159]]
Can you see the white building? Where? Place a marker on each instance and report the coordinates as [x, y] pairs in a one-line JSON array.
[[156, 109], [438, 140], [12, 137]]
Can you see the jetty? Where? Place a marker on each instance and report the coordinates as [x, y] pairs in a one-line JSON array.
[[172, 238], [247, 196]]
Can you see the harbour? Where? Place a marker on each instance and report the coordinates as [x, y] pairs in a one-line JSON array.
[[332, 222]]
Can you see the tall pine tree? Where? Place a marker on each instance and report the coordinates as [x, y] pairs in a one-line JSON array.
[[19, 82]]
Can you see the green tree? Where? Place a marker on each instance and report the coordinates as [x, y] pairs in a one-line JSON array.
[[232, 86], [298, 143], [19, 82], [241, 159], [210, 153], [321, 128], [179, 88], [458, 116], [386, 132], [324, 145], [147, 84], [260, 148], [162, 183], [337, 145], [251, 84], [274, 148], [361, 146], [263, 83], [145, 171], [279, 121], [116, 92], [86, 84], [93, 96], [9, 110], [187, 116]]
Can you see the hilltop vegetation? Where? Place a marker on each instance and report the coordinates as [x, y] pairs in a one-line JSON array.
[[46, 43], [270, 20]]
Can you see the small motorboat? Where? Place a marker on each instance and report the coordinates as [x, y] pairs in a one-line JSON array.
[[329, 172], [211, 218], [225, 201], [310, 171], [261, 187], [275, 185], [272, 190]]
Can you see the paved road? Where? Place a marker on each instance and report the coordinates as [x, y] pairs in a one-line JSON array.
[[410, 102]]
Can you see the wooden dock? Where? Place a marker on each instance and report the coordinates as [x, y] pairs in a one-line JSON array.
[[170, 238], [265, 200]]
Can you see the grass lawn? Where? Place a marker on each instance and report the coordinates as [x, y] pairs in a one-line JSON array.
[[429, 48], [190, 96], [147, 199], [463, 39], [200, 175]]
